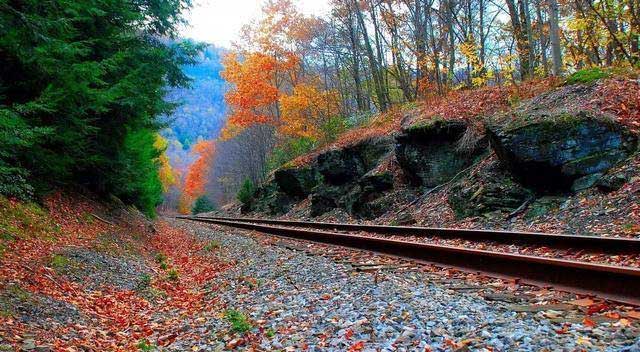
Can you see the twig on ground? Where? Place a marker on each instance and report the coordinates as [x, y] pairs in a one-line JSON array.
[[103, 220]]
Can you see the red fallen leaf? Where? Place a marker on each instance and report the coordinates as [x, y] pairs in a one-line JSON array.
[[588, 322], [358, 346], [564, 329], [326, 297], [348, 334], [596, 308], [167, 339]]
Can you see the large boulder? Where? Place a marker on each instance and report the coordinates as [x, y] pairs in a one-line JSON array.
[[488, 189], [297, 182], [325, 198], [365, 200], [269, 199], [341, 166], [431, 154], [551, 152]]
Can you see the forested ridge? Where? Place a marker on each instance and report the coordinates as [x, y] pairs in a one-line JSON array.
[[82, 90], [300, 83]]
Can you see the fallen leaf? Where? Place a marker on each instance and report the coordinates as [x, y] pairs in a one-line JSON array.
[[585, 302]]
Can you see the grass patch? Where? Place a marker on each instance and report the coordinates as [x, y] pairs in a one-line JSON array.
[[239, 321], [22, 220], [59, 263], [211, 246], [9, 297], [145, 345], [144, 282], [160, 258], [270, 333]]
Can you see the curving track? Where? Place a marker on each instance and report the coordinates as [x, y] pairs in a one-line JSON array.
[[612, 282]]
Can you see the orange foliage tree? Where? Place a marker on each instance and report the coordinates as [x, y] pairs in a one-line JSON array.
[[197, 175], [307, 109]]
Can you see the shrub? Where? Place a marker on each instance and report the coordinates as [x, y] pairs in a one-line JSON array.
[[288, 151], [211, 246], [172, 275], [160, 258], [239, 322], [145, 346], [246, 191], [203, 205]]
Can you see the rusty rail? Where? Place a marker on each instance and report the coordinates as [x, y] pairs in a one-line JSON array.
[[616, 283], [610, 245]]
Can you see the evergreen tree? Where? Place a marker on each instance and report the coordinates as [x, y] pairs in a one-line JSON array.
[[82, 86], [202, 205]]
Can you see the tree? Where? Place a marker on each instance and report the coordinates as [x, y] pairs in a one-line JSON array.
[[554, 36], [84, 83], [197, 176], [202, 205]]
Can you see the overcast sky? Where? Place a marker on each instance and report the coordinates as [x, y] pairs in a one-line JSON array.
[[219, 21]]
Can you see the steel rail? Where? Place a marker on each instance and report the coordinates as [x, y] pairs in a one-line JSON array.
[[610, 245], [616, 283]]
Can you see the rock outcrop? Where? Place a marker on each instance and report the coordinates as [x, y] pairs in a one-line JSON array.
[[430, 154], [489, 189], [297, 183], [552, 153], [342, 166]]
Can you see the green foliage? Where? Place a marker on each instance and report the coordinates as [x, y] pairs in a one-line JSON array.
[[245, 194], [333, 128], [144, 282], [587, 75], [270, 333], [59, 262], [137, 181], [160, 258], [172, 275], [211, 246], [239, 322], [288, 151], [82, 86], [203, 205], [146, 346]]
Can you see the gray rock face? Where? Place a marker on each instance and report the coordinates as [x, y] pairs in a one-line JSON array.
[[346, 165], [297, 182], [430, 154], [492, 189], [271, 200], [364, 200], [551, 154], [325, 198]]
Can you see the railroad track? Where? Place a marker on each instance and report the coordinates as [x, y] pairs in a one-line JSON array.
[[612, 282]]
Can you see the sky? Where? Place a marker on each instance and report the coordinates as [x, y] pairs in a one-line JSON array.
[[219, 21]]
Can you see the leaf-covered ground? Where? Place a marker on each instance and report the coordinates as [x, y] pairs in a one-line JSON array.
[[103, 278], [80, 275]]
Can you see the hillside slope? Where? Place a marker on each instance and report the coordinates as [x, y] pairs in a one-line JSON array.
[[565, 159]]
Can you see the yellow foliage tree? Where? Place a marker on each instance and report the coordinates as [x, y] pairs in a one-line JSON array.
[[306, 110], [166, 173]]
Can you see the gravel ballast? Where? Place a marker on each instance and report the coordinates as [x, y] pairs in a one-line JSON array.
[[296, 301]]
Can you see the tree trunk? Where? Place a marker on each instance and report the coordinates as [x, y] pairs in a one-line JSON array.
[[554, 35], [375, 72], [520, 36]]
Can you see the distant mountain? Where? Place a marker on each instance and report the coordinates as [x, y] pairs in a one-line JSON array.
[[203, 110]]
